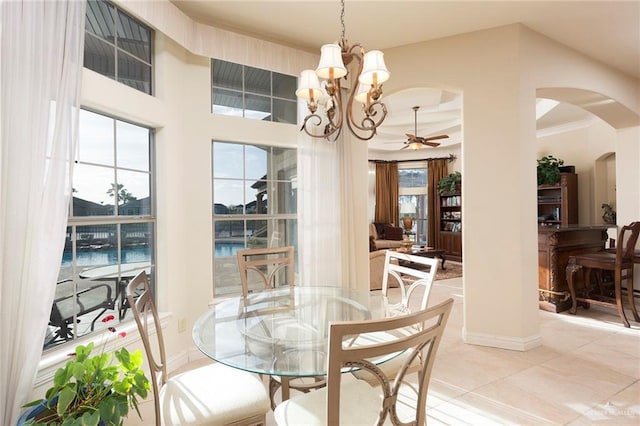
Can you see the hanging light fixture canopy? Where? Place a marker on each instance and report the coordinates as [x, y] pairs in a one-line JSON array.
[[367, 90]]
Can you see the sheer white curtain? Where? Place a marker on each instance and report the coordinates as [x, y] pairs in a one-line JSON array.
[[319, 217], [41, 48]]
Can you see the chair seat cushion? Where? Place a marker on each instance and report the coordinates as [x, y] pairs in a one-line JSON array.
[[214, 395], [359, 405]]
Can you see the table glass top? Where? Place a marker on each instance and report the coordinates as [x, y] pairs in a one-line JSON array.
[[282, 331]]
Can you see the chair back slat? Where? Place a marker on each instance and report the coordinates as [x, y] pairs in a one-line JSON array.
[[627, 239], [402, 269], [267, 263], [426, 328], [144, 310]]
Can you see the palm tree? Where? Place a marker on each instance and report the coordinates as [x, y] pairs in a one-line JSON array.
[[124, 196]]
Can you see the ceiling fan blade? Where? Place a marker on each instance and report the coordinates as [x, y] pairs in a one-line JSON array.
[[432, 138], [406, 145], [433, 144], [410, 136]]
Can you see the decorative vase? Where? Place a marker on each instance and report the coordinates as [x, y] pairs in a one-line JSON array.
[[31, 413]]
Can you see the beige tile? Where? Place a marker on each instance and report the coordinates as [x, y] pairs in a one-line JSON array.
[[603, 351], [565, 333], [599, 376], [622, 408], [470, 367], [561, 391], [533, 397], [474, 409]]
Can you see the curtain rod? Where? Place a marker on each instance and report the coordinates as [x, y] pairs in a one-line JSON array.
[[451, 157]]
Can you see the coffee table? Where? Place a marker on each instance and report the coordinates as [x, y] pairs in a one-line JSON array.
[[425, 252]]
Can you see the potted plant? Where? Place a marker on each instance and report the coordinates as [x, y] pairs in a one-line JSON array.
[[548, 170], [92, 390], [449, 183]]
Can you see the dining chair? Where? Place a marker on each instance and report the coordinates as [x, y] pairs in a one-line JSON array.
[[265, 268], [620, 261], [347, 401], [211, 395], [271, 267], [410, 273]]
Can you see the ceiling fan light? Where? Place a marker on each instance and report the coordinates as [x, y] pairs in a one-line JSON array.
[[415, 145], [374, 70], [308, 85], [331, 62]]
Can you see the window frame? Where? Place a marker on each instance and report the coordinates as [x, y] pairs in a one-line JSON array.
[[287, 221], [245, 93], [120, 50], [420, 225], [117, 220]]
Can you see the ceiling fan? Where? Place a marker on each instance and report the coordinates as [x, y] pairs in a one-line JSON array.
[[415, 142]]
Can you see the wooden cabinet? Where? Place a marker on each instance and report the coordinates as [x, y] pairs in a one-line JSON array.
[[449, 215], [558, 204]]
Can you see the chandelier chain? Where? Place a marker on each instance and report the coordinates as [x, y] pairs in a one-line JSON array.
[[342, 19]]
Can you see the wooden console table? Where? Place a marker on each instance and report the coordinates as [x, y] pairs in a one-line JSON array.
[[555, 246]]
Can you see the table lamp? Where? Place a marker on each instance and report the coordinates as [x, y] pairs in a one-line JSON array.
[[407, 209]]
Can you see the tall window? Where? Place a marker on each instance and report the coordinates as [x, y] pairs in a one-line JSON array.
[[117, 46], [412, 190], [254, 204], [111, 226], [249, 92]]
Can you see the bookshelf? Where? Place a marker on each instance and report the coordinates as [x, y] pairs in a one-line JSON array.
[[558, 204], [450, 224]]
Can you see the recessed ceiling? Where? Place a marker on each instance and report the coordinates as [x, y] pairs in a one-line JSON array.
[[608, 31]]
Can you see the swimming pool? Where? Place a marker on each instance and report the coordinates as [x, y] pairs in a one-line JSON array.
[[136, 254]]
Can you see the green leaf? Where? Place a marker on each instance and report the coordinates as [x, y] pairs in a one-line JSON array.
[[65, 398], [77, 370], [91, 419], [62, 375], [108, 411]]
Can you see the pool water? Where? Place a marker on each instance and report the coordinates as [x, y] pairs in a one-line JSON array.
[[136, 254]]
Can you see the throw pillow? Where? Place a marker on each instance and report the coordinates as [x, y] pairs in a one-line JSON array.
[[392, 233], [380, 229]]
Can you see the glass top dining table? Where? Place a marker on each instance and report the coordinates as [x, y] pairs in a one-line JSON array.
[[283, 331]]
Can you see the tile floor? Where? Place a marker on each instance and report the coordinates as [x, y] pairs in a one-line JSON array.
[[587, 371]]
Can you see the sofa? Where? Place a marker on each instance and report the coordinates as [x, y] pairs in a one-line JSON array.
[[376, 270], [384, 236]]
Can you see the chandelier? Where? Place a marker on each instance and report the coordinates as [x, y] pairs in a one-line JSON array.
[[334, 59]]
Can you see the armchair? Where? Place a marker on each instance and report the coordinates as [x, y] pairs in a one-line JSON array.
[[385, 236]]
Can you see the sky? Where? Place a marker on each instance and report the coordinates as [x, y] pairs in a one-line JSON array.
[[97, 155]]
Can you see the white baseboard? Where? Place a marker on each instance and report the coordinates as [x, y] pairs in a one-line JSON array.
[[502, 342]]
